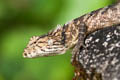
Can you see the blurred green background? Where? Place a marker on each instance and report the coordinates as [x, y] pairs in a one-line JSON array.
[[21, 19]]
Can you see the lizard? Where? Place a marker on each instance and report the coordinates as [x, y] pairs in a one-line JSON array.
[[72, 34], [59, 40]]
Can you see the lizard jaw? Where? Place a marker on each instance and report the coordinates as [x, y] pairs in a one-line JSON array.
[[30, 53]]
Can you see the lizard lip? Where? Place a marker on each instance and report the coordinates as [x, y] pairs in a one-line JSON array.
[[32, 53], [26, 55]]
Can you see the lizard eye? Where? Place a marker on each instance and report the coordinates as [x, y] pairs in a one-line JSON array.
[[50, 42]]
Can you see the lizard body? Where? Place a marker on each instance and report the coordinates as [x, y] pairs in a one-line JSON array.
[[72, 34]]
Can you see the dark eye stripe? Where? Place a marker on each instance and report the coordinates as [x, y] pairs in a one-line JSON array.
[[56, 43], [42, 42]]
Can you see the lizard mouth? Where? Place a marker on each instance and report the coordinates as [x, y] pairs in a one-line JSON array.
[[30, 53]]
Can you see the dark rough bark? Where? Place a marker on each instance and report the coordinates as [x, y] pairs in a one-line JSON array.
[[100, 58]]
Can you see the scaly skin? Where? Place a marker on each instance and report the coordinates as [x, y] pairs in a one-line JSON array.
[[72, 34]]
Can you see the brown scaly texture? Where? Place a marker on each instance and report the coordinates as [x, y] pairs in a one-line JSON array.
[[72, 34]]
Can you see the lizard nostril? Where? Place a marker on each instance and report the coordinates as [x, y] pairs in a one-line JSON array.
[[24, 54]]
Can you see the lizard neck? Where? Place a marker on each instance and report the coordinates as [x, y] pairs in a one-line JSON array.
[[70, 34]]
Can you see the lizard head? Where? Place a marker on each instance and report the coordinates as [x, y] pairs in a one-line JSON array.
[[46, 45]]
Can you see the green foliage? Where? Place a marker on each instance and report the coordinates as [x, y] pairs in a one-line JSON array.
[[21, 19]]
